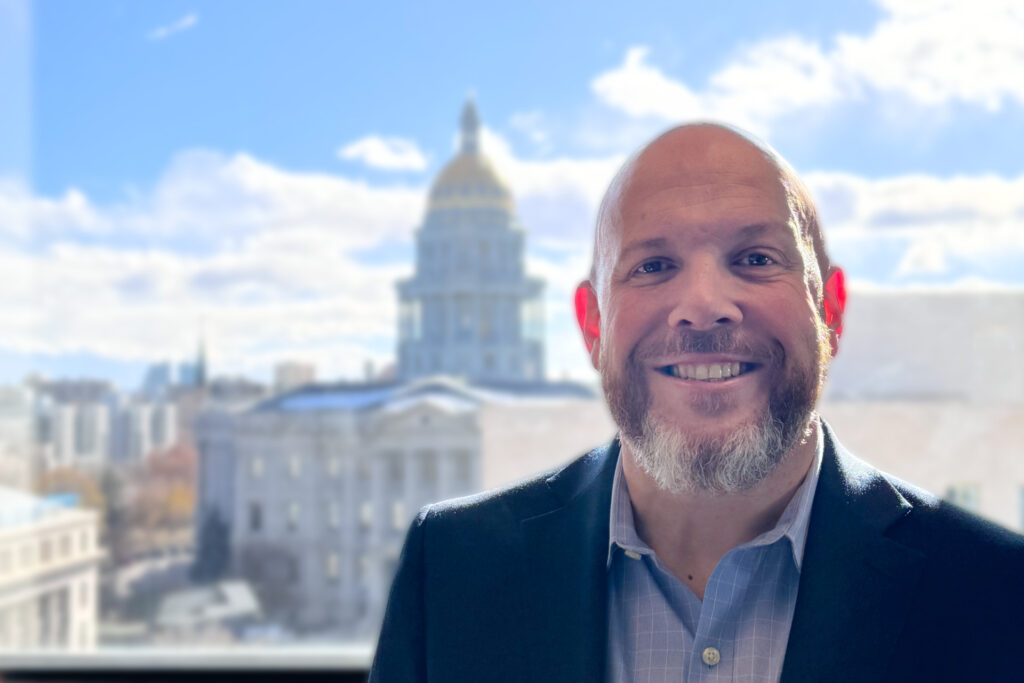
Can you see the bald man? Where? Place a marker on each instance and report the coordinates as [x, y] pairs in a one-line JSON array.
[[725, 535]]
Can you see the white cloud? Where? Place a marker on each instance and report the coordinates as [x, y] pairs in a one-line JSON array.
[[272, 260], [388, 153], [929, 53], [532, 126], [905, 228], [185, 23], [206, 198]]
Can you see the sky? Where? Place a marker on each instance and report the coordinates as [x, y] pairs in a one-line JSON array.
[[253, 173]]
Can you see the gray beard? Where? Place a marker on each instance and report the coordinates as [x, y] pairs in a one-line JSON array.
[[679, 462]]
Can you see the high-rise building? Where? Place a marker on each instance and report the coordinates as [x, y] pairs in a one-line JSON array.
[[470, 310]]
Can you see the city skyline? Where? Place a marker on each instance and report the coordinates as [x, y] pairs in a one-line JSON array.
[[170, 167]]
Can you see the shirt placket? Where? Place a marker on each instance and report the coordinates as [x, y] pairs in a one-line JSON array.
[[713, 657]]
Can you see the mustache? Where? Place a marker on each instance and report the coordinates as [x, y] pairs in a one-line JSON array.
[[719, 340]]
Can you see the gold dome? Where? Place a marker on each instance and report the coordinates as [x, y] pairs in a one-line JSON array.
[[469, 180]]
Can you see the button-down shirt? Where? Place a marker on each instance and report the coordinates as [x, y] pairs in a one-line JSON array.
[[658, 630]]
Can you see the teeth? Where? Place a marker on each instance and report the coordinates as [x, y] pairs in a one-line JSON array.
[[714, 372]]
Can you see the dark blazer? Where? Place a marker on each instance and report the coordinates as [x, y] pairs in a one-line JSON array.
[[895, 585]]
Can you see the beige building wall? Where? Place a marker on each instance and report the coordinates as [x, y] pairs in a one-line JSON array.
[[970, 451], [525, 437]]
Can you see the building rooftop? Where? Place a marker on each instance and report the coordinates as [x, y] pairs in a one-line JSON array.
[[20, 508], [449, 392]]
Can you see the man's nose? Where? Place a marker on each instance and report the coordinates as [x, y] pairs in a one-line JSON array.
[[704, 297]]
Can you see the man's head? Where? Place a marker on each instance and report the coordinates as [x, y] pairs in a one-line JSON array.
[[705, 310]]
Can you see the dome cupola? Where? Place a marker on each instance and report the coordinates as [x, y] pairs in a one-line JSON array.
[[469, 180]]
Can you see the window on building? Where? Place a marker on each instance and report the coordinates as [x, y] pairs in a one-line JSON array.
[[366, 514], [255, 517], [83, 593], [293, 516], [295, 466], [65, 546], [365, 567], [333, 515], [398, 520], [45, 550], [462, 465], [964, 495], [332, 565], [464, 309], [333, 466], [83, 541], [428, 468], [395, 470], [256, 467], [5, 561]]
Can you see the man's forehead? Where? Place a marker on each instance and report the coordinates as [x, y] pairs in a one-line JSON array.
[[701, 155], [696, 164]]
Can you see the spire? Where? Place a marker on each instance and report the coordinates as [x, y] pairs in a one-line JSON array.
[[201, 357], [470, 124]]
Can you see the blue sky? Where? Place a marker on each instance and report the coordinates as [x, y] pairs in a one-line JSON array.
[[261, 166]]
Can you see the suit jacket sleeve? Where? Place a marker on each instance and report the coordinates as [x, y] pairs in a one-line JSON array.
[[401, 648]]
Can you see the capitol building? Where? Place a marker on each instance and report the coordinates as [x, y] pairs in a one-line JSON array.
[[317, 486]]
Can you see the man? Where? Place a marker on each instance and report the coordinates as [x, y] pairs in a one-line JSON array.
[[726, 534]]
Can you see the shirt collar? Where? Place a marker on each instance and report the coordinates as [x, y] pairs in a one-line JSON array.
[[792, 523]]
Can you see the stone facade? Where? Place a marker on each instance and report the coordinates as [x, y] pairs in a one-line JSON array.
[[49, 561], [323, 485]]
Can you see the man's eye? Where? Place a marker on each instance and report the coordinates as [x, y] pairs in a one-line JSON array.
[[651, 267], [756, 258]]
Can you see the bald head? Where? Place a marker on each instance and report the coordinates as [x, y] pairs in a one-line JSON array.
[[708, 159]]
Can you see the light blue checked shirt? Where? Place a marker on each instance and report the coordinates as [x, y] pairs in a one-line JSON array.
[[658, 630]]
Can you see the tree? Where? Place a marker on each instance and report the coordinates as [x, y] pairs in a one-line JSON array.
[[71, 480], [212, 554], [116, 523]]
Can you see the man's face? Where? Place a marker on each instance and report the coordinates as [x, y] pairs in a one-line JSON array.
[[711, 349]]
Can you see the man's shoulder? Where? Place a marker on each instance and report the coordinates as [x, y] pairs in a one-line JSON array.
[[936, 527], [934, 522]]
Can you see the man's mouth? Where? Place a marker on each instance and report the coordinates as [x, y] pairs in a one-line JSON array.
[[708, 372]]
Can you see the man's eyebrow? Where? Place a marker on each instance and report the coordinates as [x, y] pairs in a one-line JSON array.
[[746, 232], [756, 230], [643, 245]]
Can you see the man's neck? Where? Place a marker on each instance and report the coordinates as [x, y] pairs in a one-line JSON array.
[[691, 532]]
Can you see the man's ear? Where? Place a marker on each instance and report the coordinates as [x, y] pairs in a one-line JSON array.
[[834, 303], [589, 319]]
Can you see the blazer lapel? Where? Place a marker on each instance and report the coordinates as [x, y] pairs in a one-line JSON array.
[[566, 584], [855, 583]]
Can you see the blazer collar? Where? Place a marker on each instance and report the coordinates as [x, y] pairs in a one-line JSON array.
[[856, 583]]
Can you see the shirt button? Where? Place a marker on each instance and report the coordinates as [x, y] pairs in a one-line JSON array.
[[711, 656]]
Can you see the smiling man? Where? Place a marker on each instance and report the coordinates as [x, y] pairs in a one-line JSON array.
[[725, 535]]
